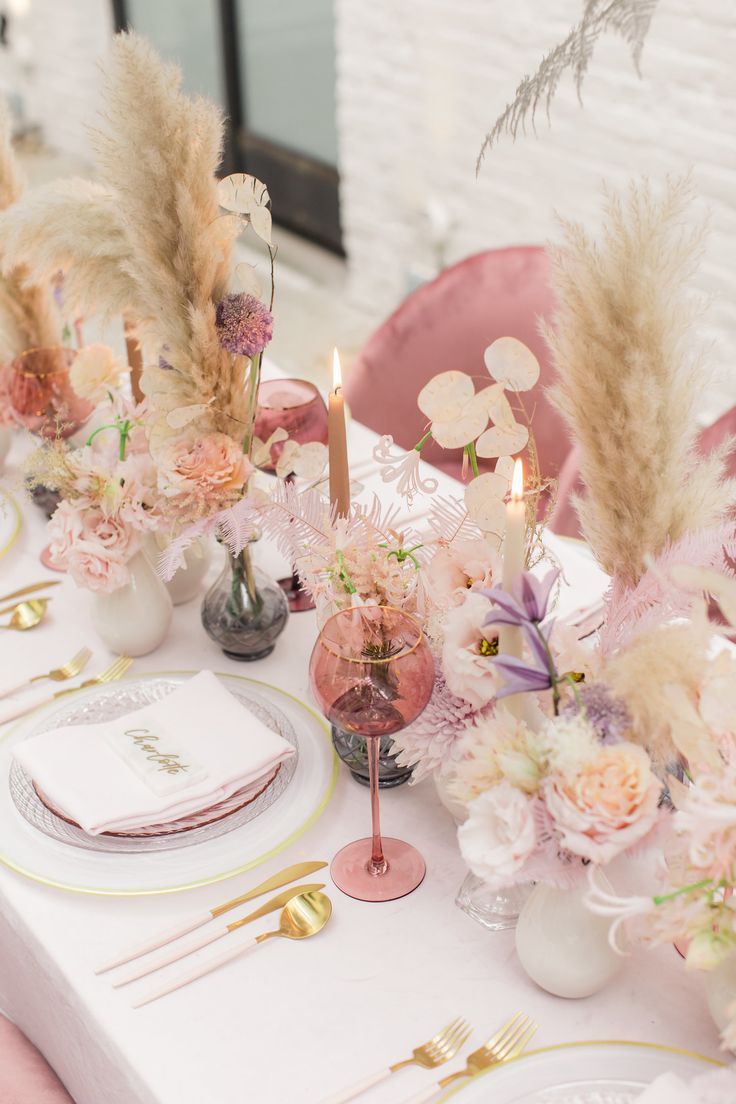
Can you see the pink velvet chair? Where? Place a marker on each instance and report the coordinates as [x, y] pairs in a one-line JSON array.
[[447, 324], [25, 1075], [564, 520]]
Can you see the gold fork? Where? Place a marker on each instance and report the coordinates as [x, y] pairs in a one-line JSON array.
[[112, 673], [68, 670], [441, 1048], [508, 1042]]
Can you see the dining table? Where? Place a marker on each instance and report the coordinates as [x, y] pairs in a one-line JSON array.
[[292, 1021]]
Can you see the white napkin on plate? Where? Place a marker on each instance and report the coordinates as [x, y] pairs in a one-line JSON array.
[[178, 756], [714, 1087]]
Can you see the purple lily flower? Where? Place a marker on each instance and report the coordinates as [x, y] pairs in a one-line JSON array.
[[531, 633], [528, 602], [521, 678]]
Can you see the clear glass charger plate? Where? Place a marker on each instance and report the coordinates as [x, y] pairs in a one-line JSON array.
[[10, 521], [45, 853], [581, 1073]]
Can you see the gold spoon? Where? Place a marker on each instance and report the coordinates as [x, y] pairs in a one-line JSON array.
[[26, 615], [301, 918]]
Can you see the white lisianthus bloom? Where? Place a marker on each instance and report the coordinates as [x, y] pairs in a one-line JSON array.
[[499, 834]]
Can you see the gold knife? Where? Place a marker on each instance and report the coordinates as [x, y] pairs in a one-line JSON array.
[[290, 874], [173, 954], [29, 590]]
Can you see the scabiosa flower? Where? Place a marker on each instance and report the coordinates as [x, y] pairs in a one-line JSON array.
[[606, 713], [244, 324]]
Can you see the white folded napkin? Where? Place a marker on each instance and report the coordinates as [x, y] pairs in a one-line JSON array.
[[714, 1087], [178, 756]]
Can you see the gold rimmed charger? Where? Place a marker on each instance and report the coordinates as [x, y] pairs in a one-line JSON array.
[[522, 1079], [60, 866]]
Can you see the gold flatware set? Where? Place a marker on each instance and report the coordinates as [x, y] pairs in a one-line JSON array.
[[115, 671], [508, 1042], [305, 911], [29, 613]]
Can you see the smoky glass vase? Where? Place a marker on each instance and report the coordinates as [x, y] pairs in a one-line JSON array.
[[244, 611], [352, 749]]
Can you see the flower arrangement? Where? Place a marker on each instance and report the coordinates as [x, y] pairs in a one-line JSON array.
[[110, 499]]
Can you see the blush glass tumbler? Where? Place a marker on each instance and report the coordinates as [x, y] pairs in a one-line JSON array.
[[296, 406], [372, 673], [41, 396]]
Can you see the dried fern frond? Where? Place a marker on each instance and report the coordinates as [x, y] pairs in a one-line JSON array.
[[628, 18], [629, 378]]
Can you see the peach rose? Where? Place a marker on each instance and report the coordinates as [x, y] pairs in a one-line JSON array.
[[608, 804], [499, 834], [203, 468]]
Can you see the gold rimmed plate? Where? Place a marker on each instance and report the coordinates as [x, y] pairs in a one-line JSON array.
[[10, 521], [599, 1072], [119, 870]]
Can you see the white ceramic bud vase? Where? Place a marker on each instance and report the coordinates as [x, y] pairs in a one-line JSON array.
[[443, 777], [134, 619], [563, 946], [720, 990], [186, 583]]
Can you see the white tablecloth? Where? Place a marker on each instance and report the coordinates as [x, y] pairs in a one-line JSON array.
[[288, 1022]]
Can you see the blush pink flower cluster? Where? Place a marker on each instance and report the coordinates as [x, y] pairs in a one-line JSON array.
[[93, 547]]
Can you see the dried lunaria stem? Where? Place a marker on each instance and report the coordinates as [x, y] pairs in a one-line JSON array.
[[628, 18], [629, 378], [27, 312]]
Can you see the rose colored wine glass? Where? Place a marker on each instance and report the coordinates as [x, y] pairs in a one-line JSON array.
[[296, 406], [372, 673]]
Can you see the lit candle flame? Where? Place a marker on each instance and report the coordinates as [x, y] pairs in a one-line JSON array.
[[336, 371], [517, 482]]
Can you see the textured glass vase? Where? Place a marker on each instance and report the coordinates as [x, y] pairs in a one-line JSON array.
[[495, 909], [353, 751], [244, 611]]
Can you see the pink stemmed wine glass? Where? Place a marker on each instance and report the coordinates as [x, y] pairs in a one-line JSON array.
[[296, 406], [372, 673]]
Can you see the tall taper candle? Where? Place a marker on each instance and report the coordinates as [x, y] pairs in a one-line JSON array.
[[510, 638], [337, 444]]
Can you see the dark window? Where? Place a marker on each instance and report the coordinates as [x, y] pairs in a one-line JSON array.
[[272, 68]]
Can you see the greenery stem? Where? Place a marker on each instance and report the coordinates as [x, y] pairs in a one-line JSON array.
[[470, 450]]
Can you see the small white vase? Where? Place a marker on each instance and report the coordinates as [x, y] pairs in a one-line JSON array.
[[563, 946], [6, 439], [186, 583], [720, 990], [134, 619]]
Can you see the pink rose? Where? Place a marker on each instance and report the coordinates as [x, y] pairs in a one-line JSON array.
[[204, 468], [499, 834], [455, 568], [64, 530], [100, 552], [606, 805], [466, 662]]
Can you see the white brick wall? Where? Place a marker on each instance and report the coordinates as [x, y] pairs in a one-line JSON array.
[[62, 42], [421, 81]]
